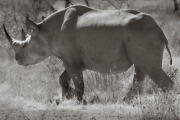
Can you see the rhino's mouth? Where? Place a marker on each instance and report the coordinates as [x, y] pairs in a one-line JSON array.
[[26, 64], [23, 64]]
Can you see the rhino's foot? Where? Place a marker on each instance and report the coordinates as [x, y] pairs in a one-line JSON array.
[[168, 87], [83, 102], [58, 101]]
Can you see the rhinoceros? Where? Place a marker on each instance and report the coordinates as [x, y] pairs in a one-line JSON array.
[[105, 41]]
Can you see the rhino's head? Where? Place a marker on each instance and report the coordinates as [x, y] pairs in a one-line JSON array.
[[31, 49]]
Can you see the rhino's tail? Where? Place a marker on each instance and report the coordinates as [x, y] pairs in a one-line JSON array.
[[165, 41]]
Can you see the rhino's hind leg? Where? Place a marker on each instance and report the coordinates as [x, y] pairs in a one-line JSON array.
[[137, 86], [64, 80], [147, 55], [161, 79]]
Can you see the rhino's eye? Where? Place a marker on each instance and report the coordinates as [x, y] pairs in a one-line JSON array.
[[24, 46]]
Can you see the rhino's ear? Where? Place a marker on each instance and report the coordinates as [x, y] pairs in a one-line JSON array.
[[7, 35], [30, 25]]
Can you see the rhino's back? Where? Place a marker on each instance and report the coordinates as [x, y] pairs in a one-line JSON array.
[[115, 18]]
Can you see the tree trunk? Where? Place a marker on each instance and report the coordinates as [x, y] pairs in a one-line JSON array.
[[176, 6], [87, 3], [67, 3]]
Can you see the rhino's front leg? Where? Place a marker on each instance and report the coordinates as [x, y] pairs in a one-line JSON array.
[[79, 85], [64, 80], [76, 75], [74, 71]]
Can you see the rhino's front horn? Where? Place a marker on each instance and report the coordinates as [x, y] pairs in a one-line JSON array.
[[7, 35]]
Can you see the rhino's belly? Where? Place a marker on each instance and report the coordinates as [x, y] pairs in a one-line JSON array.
[[103, 49], [111, 68]]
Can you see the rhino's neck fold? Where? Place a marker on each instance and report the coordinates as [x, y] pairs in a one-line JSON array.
[[44, 43], [52, 27]]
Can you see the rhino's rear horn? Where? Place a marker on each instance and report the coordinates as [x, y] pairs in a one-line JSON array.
[[7, 35], [23, 36]]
